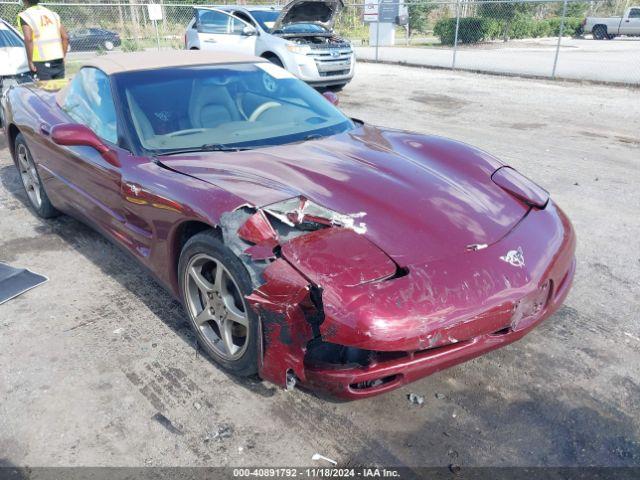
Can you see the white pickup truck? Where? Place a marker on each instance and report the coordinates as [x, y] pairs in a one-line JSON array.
[[611, 27]]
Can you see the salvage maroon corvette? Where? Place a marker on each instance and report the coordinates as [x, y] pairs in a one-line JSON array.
[[307, 247]]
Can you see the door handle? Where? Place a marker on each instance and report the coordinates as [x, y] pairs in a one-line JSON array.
[[45, 128], [210, 41]]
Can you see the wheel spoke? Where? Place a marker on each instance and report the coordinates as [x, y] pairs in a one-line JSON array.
[[226, 329], [36, 195], [202, 283], [218, 278], [22, 160], [34, 176], [26, 180], [204, 316], [236, 316]]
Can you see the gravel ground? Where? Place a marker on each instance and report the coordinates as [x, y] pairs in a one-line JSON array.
[[90, 358]]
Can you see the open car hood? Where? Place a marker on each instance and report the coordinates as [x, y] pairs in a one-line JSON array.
[[321, 12]]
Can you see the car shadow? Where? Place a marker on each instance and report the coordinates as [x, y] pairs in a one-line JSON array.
[[130, 274], [10, 471], [555, 436]]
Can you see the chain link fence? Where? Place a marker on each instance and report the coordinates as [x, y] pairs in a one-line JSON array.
[[538, 38]]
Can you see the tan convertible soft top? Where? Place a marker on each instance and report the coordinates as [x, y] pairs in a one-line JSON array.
[[129, 62]]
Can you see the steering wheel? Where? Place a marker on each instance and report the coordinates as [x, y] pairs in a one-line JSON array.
[[188, 131], [263, 108]]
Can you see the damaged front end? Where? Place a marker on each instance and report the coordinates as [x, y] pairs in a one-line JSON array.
[[291, 249], [341, 317]]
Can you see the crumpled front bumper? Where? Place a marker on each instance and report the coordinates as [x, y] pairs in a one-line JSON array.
[[432, 317], [357, 383]]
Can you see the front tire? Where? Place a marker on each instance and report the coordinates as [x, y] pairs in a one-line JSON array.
[[108, 45], [33, 186], [213, 285], [275, 60]]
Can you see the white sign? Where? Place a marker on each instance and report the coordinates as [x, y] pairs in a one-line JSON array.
[[155, 11], [371, 10]]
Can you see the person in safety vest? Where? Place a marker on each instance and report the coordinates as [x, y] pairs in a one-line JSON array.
[[45, 40]]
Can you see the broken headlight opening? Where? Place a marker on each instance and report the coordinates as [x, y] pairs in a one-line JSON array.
[[305, 214], [326, 354], [520, 187]]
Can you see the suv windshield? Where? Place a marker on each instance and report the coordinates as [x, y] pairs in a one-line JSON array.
[[266, 18], [8, 38], [224, 107]]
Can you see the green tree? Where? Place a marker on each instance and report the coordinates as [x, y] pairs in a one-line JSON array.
[[574, 9], [504, 12], [419, 16]]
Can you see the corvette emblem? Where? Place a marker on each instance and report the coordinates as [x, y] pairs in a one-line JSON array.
[[514, 257]]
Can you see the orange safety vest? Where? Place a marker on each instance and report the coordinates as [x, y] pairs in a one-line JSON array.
[[45, 28]]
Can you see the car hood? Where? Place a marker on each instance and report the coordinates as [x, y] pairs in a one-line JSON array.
[[322, 12], [420, 197]]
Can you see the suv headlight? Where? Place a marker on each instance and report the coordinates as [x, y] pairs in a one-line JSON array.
[[299, 49]]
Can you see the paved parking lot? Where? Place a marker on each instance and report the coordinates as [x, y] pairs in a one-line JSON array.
[[617, 60], [90, 358]]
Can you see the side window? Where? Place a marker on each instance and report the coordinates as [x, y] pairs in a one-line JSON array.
[[237, 26], [90, 103], [634, 13], [245, 17], [210, 21]]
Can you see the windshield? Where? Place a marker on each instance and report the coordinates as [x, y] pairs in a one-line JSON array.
[[8, 38], [266, 18], [224, 106]]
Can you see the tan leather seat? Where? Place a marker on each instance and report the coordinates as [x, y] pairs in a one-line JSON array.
[[210, 106], [140, 120]]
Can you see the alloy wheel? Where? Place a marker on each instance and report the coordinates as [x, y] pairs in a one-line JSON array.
[[216, 306], [29, 176]]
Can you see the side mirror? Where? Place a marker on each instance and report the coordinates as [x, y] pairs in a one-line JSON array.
[[331, 97], [74, 135], [249, 31]]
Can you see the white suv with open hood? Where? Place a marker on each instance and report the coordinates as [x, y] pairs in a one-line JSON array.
[[298, 37]]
